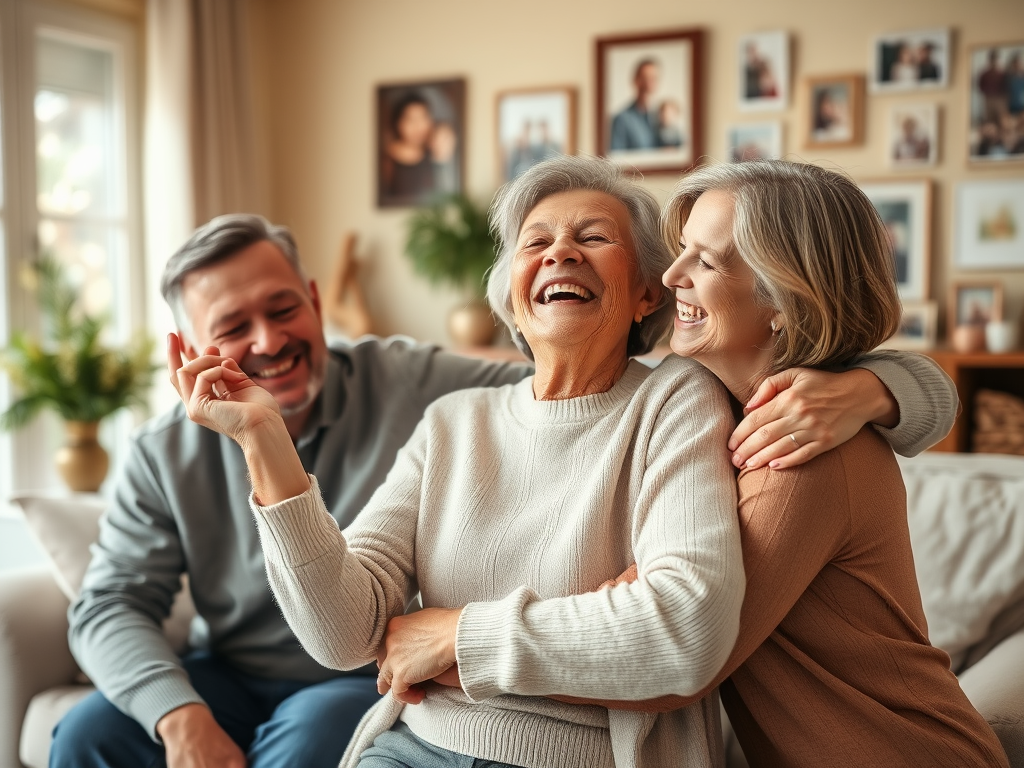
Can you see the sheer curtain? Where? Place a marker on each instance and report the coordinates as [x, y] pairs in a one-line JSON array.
[[200, 157]]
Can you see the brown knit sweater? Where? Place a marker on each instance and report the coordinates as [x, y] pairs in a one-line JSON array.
[[833, 666]]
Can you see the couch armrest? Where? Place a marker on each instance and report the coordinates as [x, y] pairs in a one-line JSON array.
[[995, 686], [34, 654]]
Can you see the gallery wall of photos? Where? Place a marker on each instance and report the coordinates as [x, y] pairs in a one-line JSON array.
[[649, 115]]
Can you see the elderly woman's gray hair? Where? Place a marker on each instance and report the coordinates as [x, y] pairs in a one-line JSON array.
[[516, 199], [219, 239]]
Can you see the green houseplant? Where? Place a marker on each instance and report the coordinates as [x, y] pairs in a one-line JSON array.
[[450, 242], [74, 374]]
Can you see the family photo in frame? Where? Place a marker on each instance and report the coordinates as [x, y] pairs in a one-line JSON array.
[[905, 210], [834, 110], [533, 125], [912, 60], [996, 131], [649, 100], [764, 71], [420, 140]]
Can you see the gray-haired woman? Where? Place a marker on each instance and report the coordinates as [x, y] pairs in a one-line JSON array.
[[508, 501]]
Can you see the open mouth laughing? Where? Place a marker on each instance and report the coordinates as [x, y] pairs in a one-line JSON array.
[[564, 293], [690, 314]]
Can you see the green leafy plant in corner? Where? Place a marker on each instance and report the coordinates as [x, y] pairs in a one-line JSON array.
[[72, 372], [450, 242]]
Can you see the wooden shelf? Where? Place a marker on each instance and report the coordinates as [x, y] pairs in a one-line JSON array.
[[971, 372]]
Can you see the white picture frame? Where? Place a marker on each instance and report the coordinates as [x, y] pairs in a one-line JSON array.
[[763, 71], [754, 141], [989, 225], [911, 60], [919, 327], [913, 136], [905, 208]]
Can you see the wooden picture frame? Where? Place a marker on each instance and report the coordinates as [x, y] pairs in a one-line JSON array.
[[995, 133], [905, 207], [650, 99], [919, 327], [420, 141], [974, 302], [833, 111], [533, 124]]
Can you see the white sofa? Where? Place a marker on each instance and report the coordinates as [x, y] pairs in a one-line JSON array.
[[966, 516]]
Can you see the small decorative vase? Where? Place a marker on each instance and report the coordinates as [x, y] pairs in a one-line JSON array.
[[1000, 336], [471, 325], [969, 338], [81, 461]]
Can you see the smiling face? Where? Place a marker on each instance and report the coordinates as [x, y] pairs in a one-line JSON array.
[[256, 309], [574, 276], [718, 321]]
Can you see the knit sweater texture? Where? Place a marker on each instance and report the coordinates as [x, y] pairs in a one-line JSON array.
[[512, 507]]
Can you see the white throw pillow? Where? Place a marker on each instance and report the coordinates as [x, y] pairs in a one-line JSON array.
[[966, 514], [65, 527]]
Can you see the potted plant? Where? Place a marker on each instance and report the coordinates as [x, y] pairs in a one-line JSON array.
[[74, 374], [450, 242]]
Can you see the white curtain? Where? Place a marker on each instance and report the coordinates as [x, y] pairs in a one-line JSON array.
[[199, 146]]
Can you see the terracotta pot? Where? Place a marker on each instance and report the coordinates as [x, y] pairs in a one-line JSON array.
[[969, 338], [81, 461], [472, 325]]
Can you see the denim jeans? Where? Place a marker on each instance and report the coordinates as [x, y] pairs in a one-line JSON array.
[[401, 748], [277, 723]]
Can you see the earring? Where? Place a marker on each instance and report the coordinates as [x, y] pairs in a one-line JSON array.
[[518, 332], [776, 329]]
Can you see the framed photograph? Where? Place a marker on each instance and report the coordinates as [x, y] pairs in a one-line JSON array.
[[764, 71], [834, 110], [909, 61], [906, 210], [533, 125], [913, 135], [975, 303], [420, 141], [989, 221], [918, 327], [649, 99], [754, 141], [996, 108]]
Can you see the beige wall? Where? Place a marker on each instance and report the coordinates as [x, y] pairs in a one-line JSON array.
[[321, 61]]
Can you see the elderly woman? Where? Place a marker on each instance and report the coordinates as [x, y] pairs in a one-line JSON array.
[[784, 264], [506, 502]]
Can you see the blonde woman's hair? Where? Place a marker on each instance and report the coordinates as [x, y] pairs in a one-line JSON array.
[[820, 254]]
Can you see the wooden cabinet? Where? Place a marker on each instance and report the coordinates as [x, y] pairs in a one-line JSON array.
[[971, 372]]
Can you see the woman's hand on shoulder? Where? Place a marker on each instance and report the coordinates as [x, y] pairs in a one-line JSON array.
[[801, 413], [217, 394]]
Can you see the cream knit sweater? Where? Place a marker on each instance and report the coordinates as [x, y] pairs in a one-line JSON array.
[[514, 508]]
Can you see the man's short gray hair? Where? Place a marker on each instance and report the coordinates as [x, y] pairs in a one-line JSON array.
[[513, 203], [215, 241]]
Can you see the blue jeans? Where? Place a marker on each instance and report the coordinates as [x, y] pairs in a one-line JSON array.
[[277, 723], [401, 748]]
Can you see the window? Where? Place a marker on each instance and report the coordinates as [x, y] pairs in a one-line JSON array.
[[70, 163]]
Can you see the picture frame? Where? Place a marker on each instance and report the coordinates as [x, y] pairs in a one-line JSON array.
[[974, 302], [919, 327], [834, 110], [906, 211], [995, 109], [754, 141], [533, 124], [764, 71], [911, 60], [650, 104], [913, 136], [420, 141], [989, 224]]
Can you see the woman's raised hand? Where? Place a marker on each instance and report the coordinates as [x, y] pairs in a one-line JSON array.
[[217, 394]]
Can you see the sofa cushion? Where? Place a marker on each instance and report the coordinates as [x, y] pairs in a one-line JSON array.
[[966, 514], [65, 527], [44, 712]]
